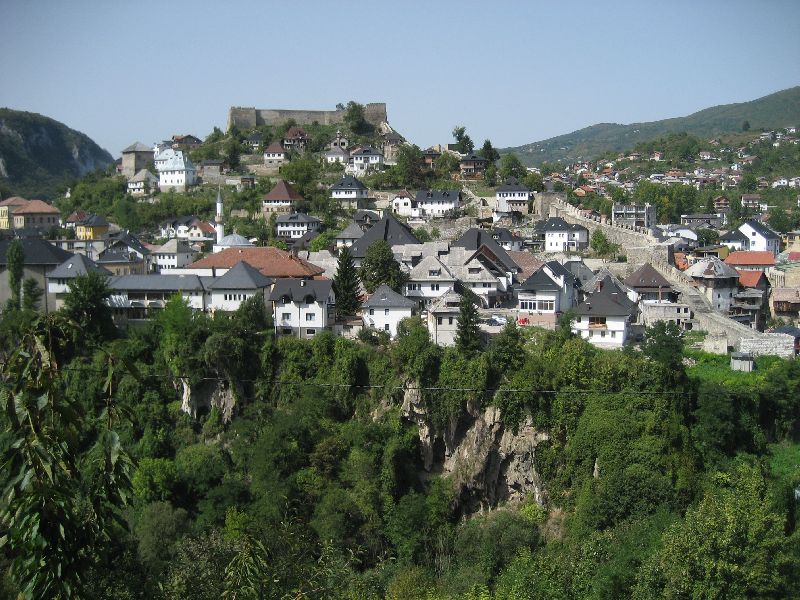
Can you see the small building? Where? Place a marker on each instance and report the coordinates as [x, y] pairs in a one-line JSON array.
[[742, 361], [650, 285], [175, 171], [507, 240], [237, 285], [560, 236], [349, 192], [41, 258], [603, 319], [254, 141], [429, 280], [634, 215], [472, 166], [705, 220], [751, 201], [716, 281], [367, 159], [281, 199], [443, 317], [405, 205], [385, 308], [91, 227], [7, 208], [60, 278], [302, 307], [296, 225], [37, 215], [512, 196], [275, 155], [135, 158], [142, 183], [786, 303], [760, 237], [438, 203], [296, 139], [339, 141], [174, 254], [337, 155], [750, 260], [348, 236]]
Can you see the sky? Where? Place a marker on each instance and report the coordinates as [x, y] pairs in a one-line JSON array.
[[513, 72]]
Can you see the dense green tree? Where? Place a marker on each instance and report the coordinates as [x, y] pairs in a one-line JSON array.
[[464, 143], [379, 266], [706, 237], [601, 245], [488, 151], [15, 261], [468, 336], [510, 166], [85, 305], [31, 294], [345, 284], [746, 126], [490, 175], [748, 183], [355, 120], [410, 167], [446, 164]]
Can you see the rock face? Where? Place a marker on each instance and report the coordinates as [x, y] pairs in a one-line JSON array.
[[486, 462], [217, 394]]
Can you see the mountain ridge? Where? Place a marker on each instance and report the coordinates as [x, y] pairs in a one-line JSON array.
[[779, 109], [39, 155]]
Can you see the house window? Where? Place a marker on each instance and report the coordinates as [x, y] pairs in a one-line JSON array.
[[449, 320], [386, 327], [613, 334], [310, 332], [386, 311], [597, 322], [434, 287], [371, 311], [438, 320], [310, 316]]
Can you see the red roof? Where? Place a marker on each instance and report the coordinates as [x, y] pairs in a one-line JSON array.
[[793, 256], [283, 191], [525, 261], [751, 257], [272, 262], [750, 279], [206, 227], [295, 132], [275, 148], [14, 201], [76, 217], [36, 207]]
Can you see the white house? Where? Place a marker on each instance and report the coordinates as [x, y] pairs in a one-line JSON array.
[[349, 192], [560, 236], [142, 183], [302, 307], [438, 203], [512, 196], [545, 295], [349, 235], [405, 205], [367, 159], [384, 310], [443, 319], [237, 285], [760, 237], [337, 155], [507, 240], [59, 279], [296, 225], [602, 319], [429, 280], [275, 155], [175, 171], [140, 297], [174, 254]]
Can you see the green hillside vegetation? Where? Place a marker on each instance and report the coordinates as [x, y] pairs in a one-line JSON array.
[[780, 109], [40, 156], [658, 481]]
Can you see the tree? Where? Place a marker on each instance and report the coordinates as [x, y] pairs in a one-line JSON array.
[[410, 167], [445, 164], [464, 143], [31, 294], [355, 120], [707, 236], [232, 152], [468, 337], [15, 259], [600, 244], [345, 284], [746, 126], [779, 220], [379, 266], [85, 305], [749, 183], [490, 175], [488, 151], [510, 166]]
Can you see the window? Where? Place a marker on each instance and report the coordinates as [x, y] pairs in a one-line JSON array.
[[386, 327], [597, 322], [434, 287], [310, 331], [386, 311], [449, 320], [613, 334], [438, 320], [310, 316]]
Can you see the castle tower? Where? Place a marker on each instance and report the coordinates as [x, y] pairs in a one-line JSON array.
[[220, 218]]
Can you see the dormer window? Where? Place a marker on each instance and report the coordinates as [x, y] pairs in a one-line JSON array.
[[434, 273]]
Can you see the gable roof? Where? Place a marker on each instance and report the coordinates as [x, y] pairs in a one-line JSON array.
[[37, 207], [174, 246], [388, 229], [386, 297], [528, 264], [750, 279], [143, 175], [559, 224], [137, 147], [296, 133], [444, 195], [603, 303], [646, 278], [501, 234], [351, 232], [36, 251], [733, 236], [761, 228], [367, 151], [473, 239], [348, 182], [274, 148], [241, 277], [272, 262], [473, 157], [421, 272], [93, 221], [14, 201], [711, 268], [75, 266], [283, 191], [166, 283], [539, 281], [786, 294], [300, 289], [512, 184], [751, 257], [296, 218]]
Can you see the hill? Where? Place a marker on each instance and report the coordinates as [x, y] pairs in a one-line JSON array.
[[38, 154], [780, 109]]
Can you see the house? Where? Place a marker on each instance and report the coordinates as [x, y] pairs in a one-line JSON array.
[[405, 205], [786, 303], [716, 281], [650, 285], [172, 255], [142, 183], [751, 201], [438, 203], [7, 208], [545, 295], [512, 196], [442, 320], [472, 165], [750, 260], [388, 229], [385, 308], [735, 240], [339, 141], [121, 260], [60, 278], [507, 240], [348, 236], [429, 156], [138, 297], [296, 225], [760, 237], [275, 155], [633, 215], [188, 227], [337, 155], [91, 227], [296, 139], [302, 307], [37, 215], [349, 192], [281, 199], [72, 220], [237, 285], [185, 142], [603, 319], [707, 220], [135, 158], [429, 280], [254, 141], [365, 218], [721, 204], [367, 159], [41, 257], [669, 312], [175, 171], [560, 236]]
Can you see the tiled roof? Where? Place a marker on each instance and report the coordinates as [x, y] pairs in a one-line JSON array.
[[75, 266], [14, 201], [272, 262], [386, 297], [283, 191], [750, 279], [646, 277], [785, 294], [299, 289], [348, 182], [526, 261], [750, 257], [275, 148], [241, 277], [37, 207]]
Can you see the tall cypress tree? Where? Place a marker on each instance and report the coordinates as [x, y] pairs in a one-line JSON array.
[[468, 337], [345, 284], [15, 259]]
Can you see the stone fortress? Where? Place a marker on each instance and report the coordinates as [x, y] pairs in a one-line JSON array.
[[248, 117]]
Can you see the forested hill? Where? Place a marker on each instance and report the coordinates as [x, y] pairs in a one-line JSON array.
[[38, 154], [781, 109]]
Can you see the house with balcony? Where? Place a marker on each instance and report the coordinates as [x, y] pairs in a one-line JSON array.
[[429, 280], [302, 307], [296, 139], [296, 225], [275, 155], [438, 203], [366, 159], [281, 199], [472, 166], [560, 236], [512, 196], [603, 319], [349, 192], [634, 215]]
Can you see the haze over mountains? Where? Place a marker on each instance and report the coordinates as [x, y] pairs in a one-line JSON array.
[[780, 109]]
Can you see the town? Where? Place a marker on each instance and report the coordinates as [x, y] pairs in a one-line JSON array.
[[598, 244]]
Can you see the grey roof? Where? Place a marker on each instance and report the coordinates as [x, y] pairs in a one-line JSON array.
[[156, 283], [501, 234], [93, 221], [388, 229], [579, 269], [348, 182], [763, 229], [75, 266], [123, 237], [559, 224], [234, 239], [118, 255], [298, 289], [368, 151], [241, 277], [733, 236], [142, 175], [297, 218], [789, 330], [363, 215], [539, 281], [645, 278], [174, 246], [560, 270], [37, 252], [512, 184], [473, 157], [386, 297], [474, 238], [137, 147], [351, 232], [448, 195], [604, 303], [711, 268]]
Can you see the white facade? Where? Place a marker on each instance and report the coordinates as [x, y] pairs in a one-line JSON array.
[[606, 332], [405, 206], [230, 300], [428, 281], [437, 203], [565, 240], [175, 171], [302, 317], [385, 319], [296, 226], [367, 159], [759, 241], [274, 155], [172, 255]]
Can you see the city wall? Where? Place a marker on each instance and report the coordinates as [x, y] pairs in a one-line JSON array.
[[250, 117]]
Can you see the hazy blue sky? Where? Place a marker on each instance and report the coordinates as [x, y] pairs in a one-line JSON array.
[[514, 72]]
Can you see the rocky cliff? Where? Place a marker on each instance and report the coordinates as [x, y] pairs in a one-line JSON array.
[[38, 155]]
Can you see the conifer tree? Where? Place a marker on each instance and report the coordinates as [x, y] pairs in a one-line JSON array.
[[15, 259], [379, 266], [468, 338], [345, 284]]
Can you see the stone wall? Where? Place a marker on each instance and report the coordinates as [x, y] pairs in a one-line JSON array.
[[775, 344], [250, 117]]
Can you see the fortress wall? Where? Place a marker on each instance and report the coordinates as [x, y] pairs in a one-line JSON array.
[[248, 117]]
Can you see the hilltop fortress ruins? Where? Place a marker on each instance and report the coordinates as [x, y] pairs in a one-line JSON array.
[[247, 117]]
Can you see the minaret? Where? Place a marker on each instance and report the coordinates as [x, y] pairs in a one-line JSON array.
[[220, 218]]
